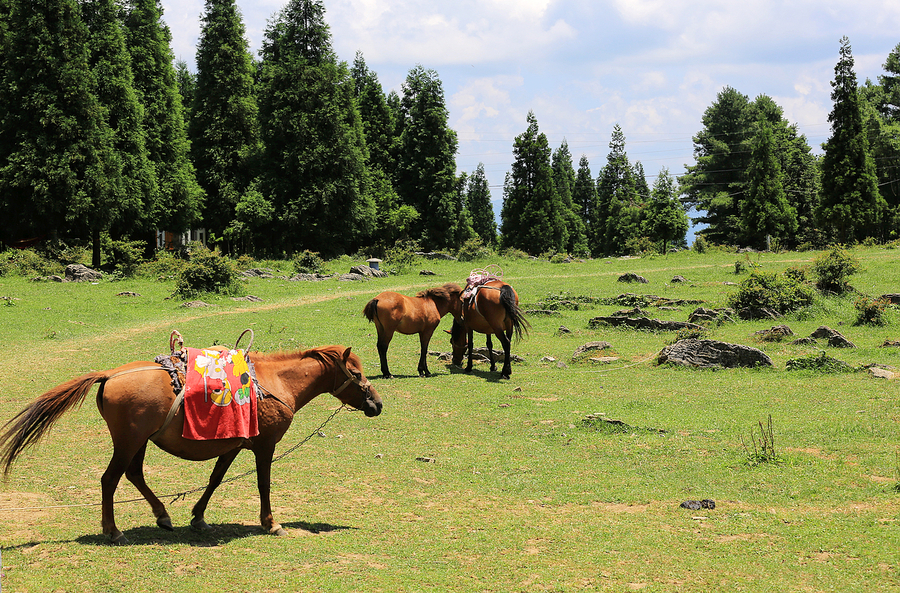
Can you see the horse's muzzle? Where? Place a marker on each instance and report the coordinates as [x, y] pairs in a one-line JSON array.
[[372, 407]]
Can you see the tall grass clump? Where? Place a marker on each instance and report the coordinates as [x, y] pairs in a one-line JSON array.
[[762, 449], [782, 293]]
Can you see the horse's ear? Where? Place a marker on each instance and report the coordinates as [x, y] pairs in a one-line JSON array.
[[347, 353]]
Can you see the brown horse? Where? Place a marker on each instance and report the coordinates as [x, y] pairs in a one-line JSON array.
[[135, 400], [494, 309], [392, 312]]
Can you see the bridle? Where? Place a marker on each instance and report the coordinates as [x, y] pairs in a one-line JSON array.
[[365, 385]]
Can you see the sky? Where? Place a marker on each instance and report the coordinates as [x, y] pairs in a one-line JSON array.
[[582, 66]]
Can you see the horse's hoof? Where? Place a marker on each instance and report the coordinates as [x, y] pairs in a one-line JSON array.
[[387, 376], [165, 523], [504, 377], [118, 539], [279, 532], [200, 525]]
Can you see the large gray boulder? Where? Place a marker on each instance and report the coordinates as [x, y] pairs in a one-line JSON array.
[[81, 273], [712, 354]]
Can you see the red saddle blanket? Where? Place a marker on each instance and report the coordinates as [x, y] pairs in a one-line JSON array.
[[219, 396]]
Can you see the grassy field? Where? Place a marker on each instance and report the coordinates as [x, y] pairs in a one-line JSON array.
[[522, 494]]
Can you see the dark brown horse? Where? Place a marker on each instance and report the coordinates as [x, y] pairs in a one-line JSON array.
[[135, 400], [392, 312], [494, 309]]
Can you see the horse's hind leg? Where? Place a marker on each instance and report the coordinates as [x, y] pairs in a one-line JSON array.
[[120, 461], [490, 349], [135, 475], [215, 478], [384, 340], [506, 341]]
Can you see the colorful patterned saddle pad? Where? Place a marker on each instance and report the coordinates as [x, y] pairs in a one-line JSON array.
[[219, 396]]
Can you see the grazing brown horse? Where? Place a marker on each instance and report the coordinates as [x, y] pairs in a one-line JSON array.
[[392, 312], [136, 398], [493, 310]]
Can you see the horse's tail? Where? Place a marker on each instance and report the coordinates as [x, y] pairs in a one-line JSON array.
[[508, 300], [371, 309], [29, 425]]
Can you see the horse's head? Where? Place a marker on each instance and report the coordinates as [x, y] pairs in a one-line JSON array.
[[459, 340], [352, 387]]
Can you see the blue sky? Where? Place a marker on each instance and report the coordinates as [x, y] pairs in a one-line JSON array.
[[583, 66]]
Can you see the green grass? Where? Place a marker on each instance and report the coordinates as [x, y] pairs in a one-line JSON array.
[[522, 494]]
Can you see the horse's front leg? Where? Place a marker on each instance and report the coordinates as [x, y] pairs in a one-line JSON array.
[[264, 482], [135, 475], [215, 478], [471, 347], [424, 340], [490, 349], [120, 461]]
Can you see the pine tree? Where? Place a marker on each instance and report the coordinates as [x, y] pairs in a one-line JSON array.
[[716, 184], [564, 180], [666, 222], [584, 198], [59, 172], [177, 204], [378, 118], [187, 88], [224, 127], [850, 204], [111, 64], [765, 211], [478, 203], [532, 215], [617, 198], [314, 156], [426, 175]]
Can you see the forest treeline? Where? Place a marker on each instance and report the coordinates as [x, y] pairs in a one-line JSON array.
[[104, 137]]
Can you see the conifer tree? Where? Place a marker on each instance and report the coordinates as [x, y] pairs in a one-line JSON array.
[[179, 199], [617, 198], [59, 172], [426, 175], [532, 216], [111, 64], [564, 180], [851, 204], [314, 146], [765, 211], [478, 203], [584, 198], [224, 127], [666, 221]]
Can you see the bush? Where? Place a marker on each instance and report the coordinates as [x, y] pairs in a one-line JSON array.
[[870, 311], [834, 269], [123, 256], [700, 244], [27, 262], [402, 256], [768, 290], [165, 266], [513, 253], [474, 249], [208, 272], [642, 246], [308, 262]]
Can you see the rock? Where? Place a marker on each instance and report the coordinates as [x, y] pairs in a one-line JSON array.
[[632, 277], [635, 312], [128, 294], [703, 314], [880, 373], [678, 279], [590, 347], [81, 273], [426, 273], [774, 334], [893, 298], [195, 304], [565, 330], [310, 277], [643, 323], [258, 273], [712, 354], [890, 343], [352, 277], [804, 342], [603, 359], [249, 298], [751, 313], [367, 271], [834, 337], [823, 331]]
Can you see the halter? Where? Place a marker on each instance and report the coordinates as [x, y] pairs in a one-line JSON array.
[[365, 386]]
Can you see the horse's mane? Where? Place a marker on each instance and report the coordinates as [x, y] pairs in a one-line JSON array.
[[446, 292], [323, 353]]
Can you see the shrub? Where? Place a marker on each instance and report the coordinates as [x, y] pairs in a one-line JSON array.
[[402, 256], [870, 311], [642, 246], [165, 266], [700, 244], [27, 262], [474, 249], [513, 253], [123, 256], [208, 272], [834, 269], [308, 262], [768, 290]]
